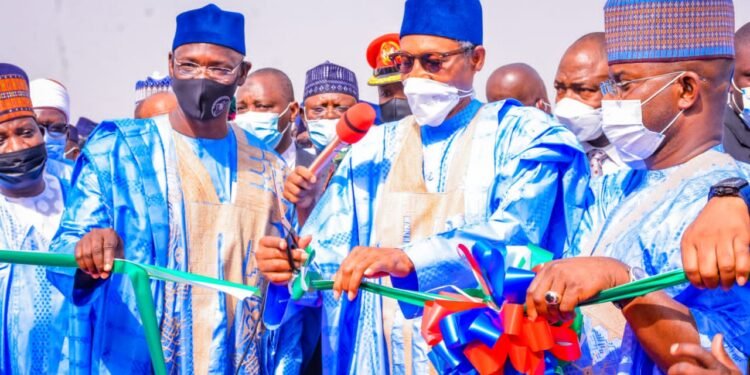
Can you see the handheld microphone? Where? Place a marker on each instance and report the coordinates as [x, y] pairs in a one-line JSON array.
[[350, 129]]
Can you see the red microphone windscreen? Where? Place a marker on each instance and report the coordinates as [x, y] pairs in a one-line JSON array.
[[355, 123]]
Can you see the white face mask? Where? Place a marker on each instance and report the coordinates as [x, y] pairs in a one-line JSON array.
[[322, 131], [582, 119], [622, 123], [744, 112], [431, 101], [264, 125]]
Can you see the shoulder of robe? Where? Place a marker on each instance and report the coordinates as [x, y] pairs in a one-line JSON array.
[[62, 171], [103, 138]]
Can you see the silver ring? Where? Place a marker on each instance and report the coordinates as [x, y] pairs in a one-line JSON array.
[[552, 298]]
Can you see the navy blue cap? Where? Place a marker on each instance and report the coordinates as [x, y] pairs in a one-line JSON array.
[[330, 78], [211, 25], [453, 19]]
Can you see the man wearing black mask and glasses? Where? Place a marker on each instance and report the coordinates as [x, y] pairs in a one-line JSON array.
[[34, 315], [187, 191]]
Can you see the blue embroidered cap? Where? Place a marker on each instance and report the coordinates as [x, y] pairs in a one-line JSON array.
[[212, 25], [328, 77], [668, 30], [454, 19]]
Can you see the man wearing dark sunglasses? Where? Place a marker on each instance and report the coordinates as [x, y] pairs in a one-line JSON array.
[[455, 172]]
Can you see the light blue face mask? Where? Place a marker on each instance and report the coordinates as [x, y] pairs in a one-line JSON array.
[[322, 131], [55, 144], [743, 112], [264, 125]]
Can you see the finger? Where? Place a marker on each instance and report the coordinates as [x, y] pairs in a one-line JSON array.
[[92, 241], [742, 260], [111, 243], [79, 254], [304, 242], [292, 193], [717, 349], [279, 278], [707, 265], [274, 265], [299, 255], [690, 262], [686, 368], [355, 278], [299, 181], [535, 297], [553, 311], [306, 174], [725, 263], [694, 352]]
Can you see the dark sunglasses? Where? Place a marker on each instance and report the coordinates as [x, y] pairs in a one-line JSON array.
[[430, 61]]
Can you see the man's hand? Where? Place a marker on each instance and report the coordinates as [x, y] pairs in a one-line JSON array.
[[716, 246], [369, 262], [574, 280], [96, 252], [716, 362], [272, 259], [300, 188]]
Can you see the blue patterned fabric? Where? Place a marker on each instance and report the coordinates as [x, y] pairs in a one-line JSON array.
[[330, 78], [38, 330], [120, 181], [527, 156], [668, 30], [219, 157], [654, 245]]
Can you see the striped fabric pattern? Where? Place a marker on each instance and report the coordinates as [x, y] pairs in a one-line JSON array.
[[15, 100], [668, 30]]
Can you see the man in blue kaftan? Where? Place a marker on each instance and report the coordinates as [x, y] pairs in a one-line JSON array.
[[663, 112], [37, 334], [188, 191], [458, 171]]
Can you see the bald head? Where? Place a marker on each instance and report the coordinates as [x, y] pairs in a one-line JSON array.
[[741, 65], [582, 68], [158, 104], [275, 77], [519, 81]]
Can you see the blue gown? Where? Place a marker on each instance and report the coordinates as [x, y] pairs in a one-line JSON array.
[[653, 244], [121, 181], [532, 192], [39, 334]]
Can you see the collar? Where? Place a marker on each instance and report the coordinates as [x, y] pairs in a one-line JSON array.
[[458, 121], [290, 155], [609, 149]]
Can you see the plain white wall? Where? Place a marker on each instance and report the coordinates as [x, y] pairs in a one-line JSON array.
[[100, 48]]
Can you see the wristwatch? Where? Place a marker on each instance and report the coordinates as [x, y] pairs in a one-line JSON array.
[[636, 273], [731, 187]]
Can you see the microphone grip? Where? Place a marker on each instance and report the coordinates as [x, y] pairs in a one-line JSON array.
[[324, 158]]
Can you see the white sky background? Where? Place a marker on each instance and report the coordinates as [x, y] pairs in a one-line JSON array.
[[100, 48]]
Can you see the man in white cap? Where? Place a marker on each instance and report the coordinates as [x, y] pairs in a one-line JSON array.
[[52, 109]]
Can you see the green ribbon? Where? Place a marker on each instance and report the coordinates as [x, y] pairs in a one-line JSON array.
[[140, 276]]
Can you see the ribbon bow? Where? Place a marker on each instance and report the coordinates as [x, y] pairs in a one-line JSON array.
[[483, 328]]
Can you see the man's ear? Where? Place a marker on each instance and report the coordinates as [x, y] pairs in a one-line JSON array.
[[478, 57], [170, 62], [244, 69], [690, 89]]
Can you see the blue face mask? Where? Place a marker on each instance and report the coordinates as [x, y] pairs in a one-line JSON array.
[[264, 125], [322, 131], [55, 144]]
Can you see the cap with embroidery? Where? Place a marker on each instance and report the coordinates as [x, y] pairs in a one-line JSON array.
[[378, 56], [454, 19], [213, 25], [153, 84], [15, 99], [668, 30], [330, 78]]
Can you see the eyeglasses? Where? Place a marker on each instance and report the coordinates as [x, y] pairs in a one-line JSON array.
[[55, 128], [430, 61], [618, 89], [217, 73]]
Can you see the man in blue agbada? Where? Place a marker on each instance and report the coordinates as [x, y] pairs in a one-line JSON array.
[[457, 171], [37, 335], [188, 191], [663, 112]]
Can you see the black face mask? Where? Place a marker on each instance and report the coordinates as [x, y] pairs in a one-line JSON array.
[[19, 167], [394, 110], [203, 99]]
